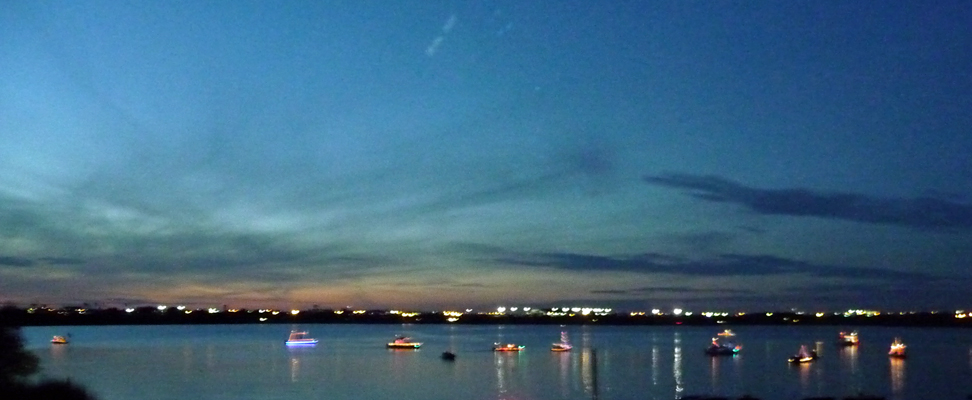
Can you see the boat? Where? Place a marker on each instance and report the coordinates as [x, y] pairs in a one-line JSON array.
[[300, 339], [403, 342], [563, 345], [727, 333], [898, 349], [448, 356], [507, 347], [803, 356], [848, 339], [59, 340], [722, 348]]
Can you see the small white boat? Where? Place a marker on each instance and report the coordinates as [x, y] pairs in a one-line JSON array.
[[563, 345], [59, 340], [300, 339]]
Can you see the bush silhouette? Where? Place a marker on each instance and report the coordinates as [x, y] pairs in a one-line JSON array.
[[16, 367], [16, 363]]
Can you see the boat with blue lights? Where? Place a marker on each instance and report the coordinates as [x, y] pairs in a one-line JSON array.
[[300, 339], [403, 342], [507, 347], [563, 345]]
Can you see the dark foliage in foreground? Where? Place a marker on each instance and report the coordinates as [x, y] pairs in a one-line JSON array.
[[47, 390], [17, 365]]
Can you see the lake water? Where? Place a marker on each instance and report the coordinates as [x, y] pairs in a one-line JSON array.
[[633, 362]]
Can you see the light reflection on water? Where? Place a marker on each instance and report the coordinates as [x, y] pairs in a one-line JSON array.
[[677, 365], [251, 362], [654, 365], [897, 377], [848, 357], [294, 368]]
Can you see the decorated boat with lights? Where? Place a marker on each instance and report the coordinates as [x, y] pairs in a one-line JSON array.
[[726, 333], [59, 340], [403, 342], [563, 345], [300, 339], [722, 347], [803, 356], [848, 339], [507, 347], [898, 349]]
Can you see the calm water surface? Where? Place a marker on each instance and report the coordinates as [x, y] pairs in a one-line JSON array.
[[351, 362]]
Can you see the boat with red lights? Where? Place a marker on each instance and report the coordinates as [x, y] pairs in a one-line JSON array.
[[848, 339], [300, 339], [403, 342], [803, 356], [563, 345], [898, 349], [507, 347]]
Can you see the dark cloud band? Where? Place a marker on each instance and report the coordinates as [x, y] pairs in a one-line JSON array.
[[723, 265], [921, 212]]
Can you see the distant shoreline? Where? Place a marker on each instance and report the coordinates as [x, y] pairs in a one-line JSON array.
[[12, 316]]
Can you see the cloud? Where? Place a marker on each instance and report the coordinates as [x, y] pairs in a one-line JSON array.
[[449, 24], [60, 260], [922, 212], [446, 28], [430, 51], [668, 290], [15, 261], [722, 265], [27, 262]]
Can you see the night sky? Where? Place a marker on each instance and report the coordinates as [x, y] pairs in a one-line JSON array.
[[424, 154]]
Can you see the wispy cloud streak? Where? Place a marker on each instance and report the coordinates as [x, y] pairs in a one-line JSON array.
[[920, 212], [723, 265], [15, 261], [446, 28]]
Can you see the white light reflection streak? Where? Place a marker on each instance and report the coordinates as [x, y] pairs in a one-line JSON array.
[[804, 377], [897, 377], [294, 368], [564, 364], [849, 353], [210, 358], [821, 385], [677, 367], [187, 360], [654, 365], [499, 360], [585, 367]]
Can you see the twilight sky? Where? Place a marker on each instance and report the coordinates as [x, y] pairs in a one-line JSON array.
[[429, 154]]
